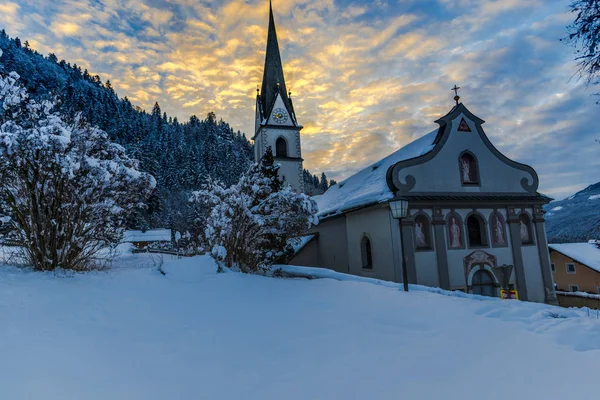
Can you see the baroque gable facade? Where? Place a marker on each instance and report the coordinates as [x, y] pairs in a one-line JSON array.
[[475, 217]]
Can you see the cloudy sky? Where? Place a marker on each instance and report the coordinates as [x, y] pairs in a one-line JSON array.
[[367, 76]]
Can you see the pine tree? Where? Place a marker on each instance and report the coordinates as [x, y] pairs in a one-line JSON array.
[[270, 171]]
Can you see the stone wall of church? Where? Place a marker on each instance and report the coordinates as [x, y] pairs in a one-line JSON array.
[[456, 256], [375, 224], [333, 244], [442, 264], [426, 265]]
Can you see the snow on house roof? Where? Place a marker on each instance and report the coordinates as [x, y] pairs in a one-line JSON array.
[[369, 186], [584, 253], [153, 235]]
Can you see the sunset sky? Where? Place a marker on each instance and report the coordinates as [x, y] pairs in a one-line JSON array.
[[367, 76]]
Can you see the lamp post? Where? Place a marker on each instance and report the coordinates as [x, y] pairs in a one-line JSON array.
[[399, 209]]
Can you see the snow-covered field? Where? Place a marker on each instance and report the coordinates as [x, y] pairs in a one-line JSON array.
[[132, 333]]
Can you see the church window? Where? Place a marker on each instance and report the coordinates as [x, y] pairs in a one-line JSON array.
[[483, 284], [498, 230], [366, 253], [476, 231], [469, 170], [281, 148], [525, 229], [422, 232]]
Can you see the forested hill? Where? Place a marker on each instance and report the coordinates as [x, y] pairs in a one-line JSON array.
[[575, 219], [181, 155]]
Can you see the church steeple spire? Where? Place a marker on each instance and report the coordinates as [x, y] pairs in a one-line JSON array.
[[277, 129], [273, 78]]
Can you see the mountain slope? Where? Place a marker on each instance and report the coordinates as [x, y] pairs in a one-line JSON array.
[[575, 219]]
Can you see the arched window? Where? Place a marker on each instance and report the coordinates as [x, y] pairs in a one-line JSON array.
[[366, 254], [498, 229], [281, 148], [422, 232], [476, 231], [525, 229], [469, 170], [483, 284]]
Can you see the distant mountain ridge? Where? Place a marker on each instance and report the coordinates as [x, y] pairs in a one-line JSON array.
[[575, 219]]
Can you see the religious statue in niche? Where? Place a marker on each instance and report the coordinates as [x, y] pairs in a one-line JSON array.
[[498, 229], [455, 234], [421, 239], [524, 232], [468, 168]]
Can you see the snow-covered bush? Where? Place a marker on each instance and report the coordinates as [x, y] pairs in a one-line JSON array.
[[65, 189], [252, 224]]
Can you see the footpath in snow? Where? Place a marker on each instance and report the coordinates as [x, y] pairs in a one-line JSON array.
[[132, 333]]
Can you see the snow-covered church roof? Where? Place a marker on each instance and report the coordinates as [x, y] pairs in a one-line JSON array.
[[369, 186]]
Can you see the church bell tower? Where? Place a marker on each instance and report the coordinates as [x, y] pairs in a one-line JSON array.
[[276, 125]]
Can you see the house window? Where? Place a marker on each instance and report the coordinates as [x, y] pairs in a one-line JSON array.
[[598, 289], [553, 267], [422, 232], [525, 229], [469, 171], [570, 268], [573, 288], [476, 231], [281, 148], [366, 253]]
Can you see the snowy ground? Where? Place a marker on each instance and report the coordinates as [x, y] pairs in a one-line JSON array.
[[132, 333]]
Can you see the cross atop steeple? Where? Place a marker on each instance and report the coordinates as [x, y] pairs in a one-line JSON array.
[[456, 96], [273, 78]]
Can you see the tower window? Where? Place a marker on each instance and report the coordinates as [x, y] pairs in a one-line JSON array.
[[281, 148]]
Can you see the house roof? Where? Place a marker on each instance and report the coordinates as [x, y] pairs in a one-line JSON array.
[[370, 186], [587, 254], [153, 235]]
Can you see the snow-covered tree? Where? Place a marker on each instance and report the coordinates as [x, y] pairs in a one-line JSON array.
[[253, 223], [65, 189]]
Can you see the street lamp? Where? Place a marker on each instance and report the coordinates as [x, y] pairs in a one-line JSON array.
[[399, 209]]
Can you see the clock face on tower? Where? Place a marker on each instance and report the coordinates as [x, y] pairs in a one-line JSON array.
[[280, 116]]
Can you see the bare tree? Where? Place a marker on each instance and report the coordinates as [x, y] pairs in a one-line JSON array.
[[584, 35]]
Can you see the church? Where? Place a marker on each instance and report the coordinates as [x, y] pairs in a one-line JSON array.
[[472, 218]]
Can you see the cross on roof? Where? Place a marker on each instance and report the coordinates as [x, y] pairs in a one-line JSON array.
[[456, 97]]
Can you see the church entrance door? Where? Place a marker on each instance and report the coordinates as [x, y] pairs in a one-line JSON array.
[[483, 283]]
